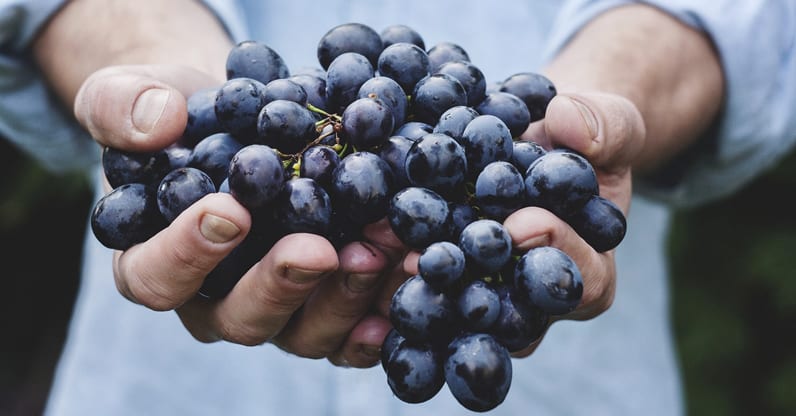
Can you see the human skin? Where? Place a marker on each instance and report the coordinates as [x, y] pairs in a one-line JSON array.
[[635, 88]]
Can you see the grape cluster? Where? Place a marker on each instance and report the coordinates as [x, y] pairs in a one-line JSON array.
[[384, 127]]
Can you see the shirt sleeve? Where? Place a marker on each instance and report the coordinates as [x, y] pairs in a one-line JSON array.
[[756, 42], [32, 117]]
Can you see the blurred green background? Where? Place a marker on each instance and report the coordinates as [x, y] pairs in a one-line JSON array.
[[734, 289]]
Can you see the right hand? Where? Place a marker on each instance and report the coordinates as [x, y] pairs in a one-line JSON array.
[[302, 296]]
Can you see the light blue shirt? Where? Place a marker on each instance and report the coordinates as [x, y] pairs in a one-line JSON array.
[[123, 359]]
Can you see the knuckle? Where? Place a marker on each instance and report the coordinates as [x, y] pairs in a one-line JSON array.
[[242, 334]]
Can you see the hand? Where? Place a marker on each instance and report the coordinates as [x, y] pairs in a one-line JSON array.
[[303, 295]]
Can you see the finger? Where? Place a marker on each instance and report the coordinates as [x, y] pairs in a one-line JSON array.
[[535, 227], [337, 305], [265, 298], [394, 278], [138, 107], [380, 235], [362, 348], [167, 270]]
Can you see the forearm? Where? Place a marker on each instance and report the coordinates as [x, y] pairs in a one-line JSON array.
[[86, 35], [667, 69]]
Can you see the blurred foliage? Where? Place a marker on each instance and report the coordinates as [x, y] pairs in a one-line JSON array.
[[734, 294], [42, 223]]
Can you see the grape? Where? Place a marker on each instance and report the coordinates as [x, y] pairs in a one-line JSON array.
[[509, 108], [601, 223], [349, 37], [486, 245], [418, 217], [180, 188], [401, 33], [414, 372], [238, 103], [486, 139], [314, 86], [319, 163], [441, 265], [286, 126], [406, 63], [525, 153], [414, 130], [213, 154], [437, 162], [561, 182], [123, 167], [534, 89], [344, 78], [126, 216], [549, 279], [256, 60], [303, 206], [178, 154], [202, 120], [434, 94], [445, 52], [471, 78], [479, 305], [390, 93], [285, 89], [362, 187], [518, 324], [256, 176], [478, 371], [421, 314], [454, 120], [367, 123], [390, 343], [499, 190], [394, 153]]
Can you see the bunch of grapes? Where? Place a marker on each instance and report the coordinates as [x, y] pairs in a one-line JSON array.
[[384, 128]]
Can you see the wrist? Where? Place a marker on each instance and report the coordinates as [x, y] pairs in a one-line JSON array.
[[181, 32], [668, 70]]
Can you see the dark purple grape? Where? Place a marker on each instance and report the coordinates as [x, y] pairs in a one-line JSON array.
[[435, 94], [123, 167], [314, 71], [413, 130], [179, 155], [509, 108], [238, 103], [303, 206], [445, 52], [344, 78], [499, 190], [414, 372], [419, 217], [406, 63], [486, 139], [441, 265], [454, 120], [286, 126], [518, 324], [601, 223], [180, 189], [421, 314], [256, 60], [126, 216], [367, 123], [486, 245], [394, 153], [256, 176], [534, 89], [349, 37], [549, 279], [479, 306], [401, 33], [285, 89], [478, 371], [390, 343], [314, 86], [390, 93], [437, 162], [318, 163], [212, 155], [362, 186], [561, 182], [343, 230], [471, 77], [525, 153], [202, 120]]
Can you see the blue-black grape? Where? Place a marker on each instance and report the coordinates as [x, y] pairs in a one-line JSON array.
[[600, 223], [390, 343], [344, 78], [441, 265], [486, 139], [525, 153], [479, 305], [509, 108], [362, 186], [437, 162], [212, 155], [471, 77], [314, 86], [499, 190], [534, 89], [443, 52], [421, 314], [256, 176], [478, 371], [180, 188], [285, 89], [413, 130], [349, 37], [401, 33], [123, 167], [454, 120], [256, 60], [202, 120], [286, 126], [238, 103], [406, 63], [434, 94], [367, 123], [414, 372], [486, 245], [303, 206], [126, 216], [318, 163], [394, 152], [561, 182], [549, 279], [390, 93], [419, 217], [519, 323]]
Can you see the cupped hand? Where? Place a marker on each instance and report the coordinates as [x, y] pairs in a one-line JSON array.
[[303, 295]]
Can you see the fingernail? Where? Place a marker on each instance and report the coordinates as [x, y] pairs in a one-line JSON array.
[[217, 229], [587, 115], [301, 276], [362, 282], [537, 241], [371, 351], [148, 108]]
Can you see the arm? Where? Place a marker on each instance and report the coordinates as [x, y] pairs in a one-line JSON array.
[[156, 53]]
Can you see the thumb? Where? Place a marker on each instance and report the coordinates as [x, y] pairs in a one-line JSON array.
[[607, 129], [138, 107]]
